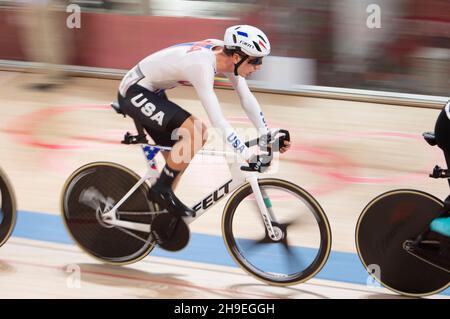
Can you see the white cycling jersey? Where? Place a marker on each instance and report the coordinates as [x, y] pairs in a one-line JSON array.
[[195, 63]]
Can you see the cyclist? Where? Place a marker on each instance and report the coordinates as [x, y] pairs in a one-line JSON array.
[[142, 96], [442, 133]]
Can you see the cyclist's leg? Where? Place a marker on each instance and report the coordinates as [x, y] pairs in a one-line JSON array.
[[189, 140], [169, 125], [192, 137], [442, 133], [186, 139]]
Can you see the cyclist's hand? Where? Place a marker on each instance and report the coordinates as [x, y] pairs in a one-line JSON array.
[[282, 141], [260, 163], [285, 147]]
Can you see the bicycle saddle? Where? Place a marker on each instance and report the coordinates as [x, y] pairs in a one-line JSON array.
[[116, 107], [430, 138]]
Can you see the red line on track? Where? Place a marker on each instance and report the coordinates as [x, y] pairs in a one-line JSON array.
[[30, 122]]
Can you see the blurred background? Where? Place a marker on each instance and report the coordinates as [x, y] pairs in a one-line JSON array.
[[320, 42], [339, 70]]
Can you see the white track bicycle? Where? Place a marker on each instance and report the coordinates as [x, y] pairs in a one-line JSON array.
[[273, 229]]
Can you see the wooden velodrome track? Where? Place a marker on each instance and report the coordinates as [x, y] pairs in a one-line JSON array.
[[344, 153]]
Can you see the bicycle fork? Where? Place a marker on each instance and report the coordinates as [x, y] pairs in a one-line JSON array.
[[265, 208]]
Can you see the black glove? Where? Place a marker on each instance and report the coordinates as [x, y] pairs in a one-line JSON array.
[[259, 163], [279, 142]]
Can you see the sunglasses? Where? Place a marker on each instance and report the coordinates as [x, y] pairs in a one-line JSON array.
[[255, 61]]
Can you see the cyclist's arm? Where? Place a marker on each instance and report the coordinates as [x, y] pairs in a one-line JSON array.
[[202, 78], [249, 103]]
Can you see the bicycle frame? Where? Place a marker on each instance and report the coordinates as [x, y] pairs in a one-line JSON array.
[[239, 177]]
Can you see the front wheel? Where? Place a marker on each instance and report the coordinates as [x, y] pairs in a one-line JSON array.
[[93, 190], [7, 208], [385, 225], [303, 236]]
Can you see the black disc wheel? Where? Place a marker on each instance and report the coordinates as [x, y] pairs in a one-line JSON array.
[[92, 191], [386, 224]]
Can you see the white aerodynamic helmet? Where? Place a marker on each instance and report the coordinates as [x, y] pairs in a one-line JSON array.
[[250, 40]]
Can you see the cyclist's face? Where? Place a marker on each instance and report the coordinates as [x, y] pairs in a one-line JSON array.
[[249, 66]]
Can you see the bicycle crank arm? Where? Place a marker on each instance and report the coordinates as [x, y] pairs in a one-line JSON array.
[[431, 255]]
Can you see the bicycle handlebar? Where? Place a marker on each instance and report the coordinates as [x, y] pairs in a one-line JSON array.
[[265, 141], [268, 143]]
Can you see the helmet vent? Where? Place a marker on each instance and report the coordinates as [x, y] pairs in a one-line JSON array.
[[234, 38], [257, 46]]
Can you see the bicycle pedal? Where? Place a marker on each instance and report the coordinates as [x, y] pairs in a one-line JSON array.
[[171, 232]]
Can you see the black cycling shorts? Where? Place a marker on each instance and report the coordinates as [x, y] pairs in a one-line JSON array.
[[442, 133], [159, 116]]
